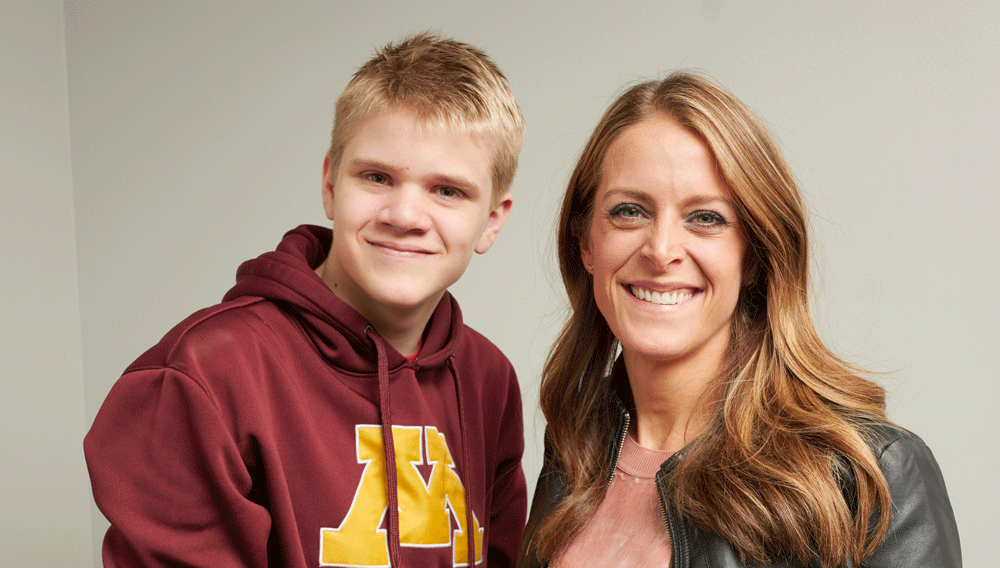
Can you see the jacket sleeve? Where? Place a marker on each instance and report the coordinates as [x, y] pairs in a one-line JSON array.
[[509, 500], [169, 476], [922, 530]]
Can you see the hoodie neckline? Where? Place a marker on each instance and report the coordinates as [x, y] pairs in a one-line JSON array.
[[287, 276]]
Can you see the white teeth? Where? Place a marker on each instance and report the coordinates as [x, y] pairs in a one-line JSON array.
[[666, 298]]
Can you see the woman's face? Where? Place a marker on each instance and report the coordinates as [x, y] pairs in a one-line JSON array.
[[665, 247]]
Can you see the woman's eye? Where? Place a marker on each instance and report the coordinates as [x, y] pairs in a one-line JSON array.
[[707, 219], [626, 211]]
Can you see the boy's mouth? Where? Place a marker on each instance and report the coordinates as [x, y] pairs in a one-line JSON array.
[[394, 248], [661, 298]]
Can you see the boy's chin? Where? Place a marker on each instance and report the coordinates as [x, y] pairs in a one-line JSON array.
[[395, 302]]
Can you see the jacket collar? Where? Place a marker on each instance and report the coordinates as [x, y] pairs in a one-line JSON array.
[[621, 413]]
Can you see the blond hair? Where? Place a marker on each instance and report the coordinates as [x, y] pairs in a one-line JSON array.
[[446, 83], [768, 474]]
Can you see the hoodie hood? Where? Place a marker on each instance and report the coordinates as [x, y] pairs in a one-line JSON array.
[[287, 277]]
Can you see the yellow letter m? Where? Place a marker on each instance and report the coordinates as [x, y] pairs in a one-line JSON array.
[[426, 509]]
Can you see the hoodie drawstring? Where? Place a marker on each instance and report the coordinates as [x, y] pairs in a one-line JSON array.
[[387, 446], [470, 531]]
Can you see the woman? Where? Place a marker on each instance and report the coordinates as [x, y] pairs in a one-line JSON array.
[[726, 433]]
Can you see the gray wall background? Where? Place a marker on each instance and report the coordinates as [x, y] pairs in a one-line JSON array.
[[146, 148]]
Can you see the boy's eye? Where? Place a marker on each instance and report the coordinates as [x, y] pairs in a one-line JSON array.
[[445, 191], [376, 177]]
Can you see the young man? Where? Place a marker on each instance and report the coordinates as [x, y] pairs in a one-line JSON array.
[[334, 410]]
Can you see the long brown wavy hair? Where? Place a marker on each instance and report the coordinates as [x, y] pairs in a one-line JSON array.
[[768, 473]]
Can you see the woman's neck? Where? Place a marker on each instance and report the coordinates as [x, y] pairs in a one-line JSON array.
[[674, 401]]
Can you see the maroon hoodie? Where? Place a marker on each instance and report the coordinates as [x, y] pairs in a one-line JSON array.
[[274, 428]]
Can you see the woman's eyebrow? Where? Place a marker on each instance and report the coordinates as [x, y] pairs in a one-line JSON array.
[[703, 199], [627, 193], [692, 201]]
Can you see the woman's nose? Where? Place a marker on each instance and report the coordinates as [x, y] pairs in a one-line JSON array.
[[664, 245]]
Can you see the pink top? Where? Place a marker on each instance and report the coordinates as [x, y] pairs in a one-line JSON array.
[[628, 528]]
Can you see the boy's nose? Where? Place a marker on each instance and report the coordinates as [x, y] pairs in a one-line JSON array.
[[405, 210]]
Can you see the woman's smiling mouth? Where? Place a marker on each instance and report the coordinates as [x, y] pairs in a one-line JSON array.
[[661, 298]]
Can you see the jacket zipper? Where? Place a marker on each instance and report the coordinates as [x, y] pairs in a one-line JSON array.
[[663, 503], [676, 530], [621, 444], [670, 530]]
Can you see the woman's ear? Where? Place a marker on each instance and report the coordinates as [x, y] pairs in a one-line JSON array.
[[581, 232], [586, 256], [751, 268]]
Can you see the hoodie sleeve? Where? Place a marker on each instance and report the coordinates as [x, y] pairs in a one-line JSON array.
[[169, 476], [510, 498]]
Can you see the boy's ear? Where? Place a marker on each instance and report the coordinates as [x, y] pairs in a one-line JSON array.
[[328, 176], [493, 224]]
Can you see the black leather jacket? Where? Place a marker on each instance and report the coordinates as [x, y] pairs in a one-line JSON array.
[[922, 530]]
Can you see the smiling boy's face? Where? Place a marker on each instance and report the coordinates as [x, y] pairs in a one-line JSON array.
[[410, 202]]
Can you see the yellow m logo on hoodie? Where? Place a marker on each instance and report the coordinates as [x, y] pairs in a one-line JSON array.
[[425, 509]]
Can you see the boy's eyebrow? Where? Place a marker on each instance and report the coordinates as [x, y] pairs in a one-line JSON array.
[[459, 182], [372, 163]]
